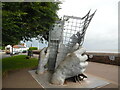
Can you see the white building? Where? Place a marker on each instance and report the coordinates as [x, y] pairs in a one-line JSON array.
[[16, 48]]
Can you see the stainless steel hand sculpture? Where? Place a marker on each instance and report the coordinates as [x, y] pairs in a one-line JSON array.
[[73, 64], [43, 59]]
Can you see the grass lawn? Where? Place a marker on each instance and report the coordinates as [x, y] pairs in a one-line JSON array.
[[17, 62], [0, 47]]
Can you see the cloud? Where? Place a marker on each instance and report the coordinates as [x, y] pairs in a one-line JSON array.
[[102, 32]]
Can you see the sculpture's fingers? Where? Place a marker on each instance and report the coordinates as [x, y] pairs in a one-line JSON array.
[[83, 57], [75, 47], [78, 79], [85, 76], [82, 70], [83, 64], [75, 79], [81, 50]]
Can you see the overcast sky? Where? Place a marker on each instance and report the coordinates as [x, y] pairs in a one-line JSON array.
[[102, 33]]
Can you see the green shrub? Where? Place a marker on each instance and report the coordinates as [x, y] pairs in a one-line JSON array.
[[2, 47], [33, 48]]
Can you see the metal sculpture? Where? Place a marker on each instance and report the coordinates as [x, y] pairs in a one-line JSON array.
[[64, 35], [66, 54], [74, 64]]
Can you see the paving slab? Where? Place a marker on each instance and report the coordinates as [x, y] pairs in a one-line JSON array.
[[19, 79]]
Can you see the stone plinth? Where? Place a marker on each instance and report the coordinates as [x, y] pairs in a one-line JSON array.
[[91, 82]]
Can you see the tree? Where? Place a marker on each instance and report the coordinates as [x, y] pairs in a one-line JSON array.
[[25, 20]]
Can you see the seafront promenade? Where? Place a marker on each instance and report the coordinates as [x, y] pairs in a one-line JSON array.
[[25, 80]]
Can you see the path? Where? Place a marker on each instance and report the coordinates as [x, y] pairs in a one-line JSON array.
[[22, 79]]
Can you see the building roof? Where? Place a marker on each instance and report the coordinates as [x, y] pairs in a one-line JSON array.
[[18, 46]]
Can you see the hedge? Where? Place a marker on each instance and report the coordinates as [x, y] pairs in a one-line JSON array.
[[33, 48]]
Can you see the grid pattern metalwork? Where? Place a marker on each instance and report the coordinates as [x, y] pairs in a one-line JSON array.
[[75, 28], [67, 33]]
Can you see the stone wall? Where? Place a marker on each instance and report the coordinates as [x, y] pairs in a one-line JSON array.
[[105, 60]]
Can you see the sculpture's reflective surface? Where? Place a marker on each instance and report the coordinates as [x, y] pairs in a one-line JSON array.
[[44, 55], [73, 64], [65, 54]]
